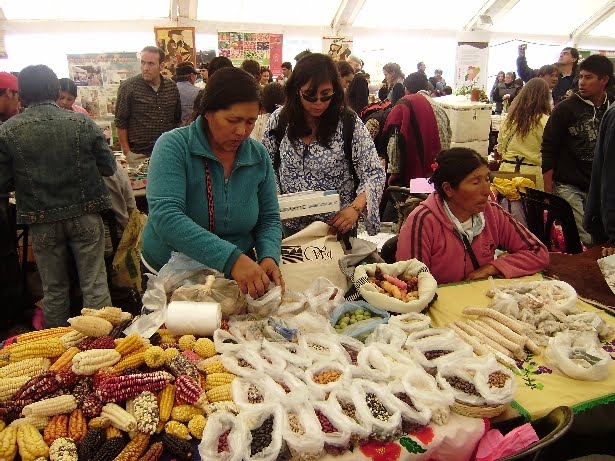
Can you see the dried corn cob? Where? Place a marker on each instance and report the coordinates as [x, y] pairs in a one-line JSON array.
[[119, 417], [102, 342], [82, 389], [72, 338], [211, 366], [184, 413], [129, 344], [31, 444], [77, 425], [166, 400], [49, 347], [10, 386], [220, 393], [28, 367], [89, 362], [63, 449], [180, 365], [134, 449], [134, 360], [154, 357], [205, 347], [186, 342], [92, 406], [2, 426], [177, 429], [51, 407], [229, 406], [118, 330], [170, 353], [188, 390], [120, 388], [146, 412], [8, 443], [91, 326], [113, 315], [179, 448], [39, 386], [40, 422], [43, 334], [94, 438], [65, 360], [99, 421], [56, 427], [110, 449], [196, 426], [218, 379], [153, 453], [112, 432]]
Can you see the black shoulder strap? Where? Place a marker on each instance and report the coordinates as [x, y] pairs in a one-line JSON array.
[[468, 247], [348, 123]]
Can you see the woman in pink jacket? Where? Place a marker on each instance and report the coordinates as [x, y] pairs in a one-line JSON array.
[[456, 231]]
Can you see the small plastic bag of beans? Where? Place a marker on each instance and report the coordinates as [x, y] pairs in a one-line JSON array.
[[334, 425], [376, 408], [342, 400], [223, 438], [254, 391], [351, 347], [325, 376], [412, 410], [433, 351], [411, 322], [423, 388], [320, 346], [495, 382], [387, 334], [292, 353], [262, 432], [373, 364], [291, 386], [461, 383], [243, 362], [226, 342], [301, 430]]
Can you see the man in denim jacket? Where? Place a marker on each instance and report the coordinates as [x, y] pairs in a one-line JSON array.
[[55, 159]]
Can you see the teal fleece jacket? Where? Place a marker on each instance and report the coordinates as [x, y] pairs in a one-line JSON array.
[[246, 210]]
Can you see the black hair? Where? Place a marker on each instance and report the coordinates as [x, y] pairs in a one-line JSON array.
[[229, 86], [38, 83], [252, 67], [453, 166], [315, 69], [180, 71], [287, 65], [273, 96], [547, 69], [217, 63], [66, 84], [154, 49], [596, 64], [416, 82], [302, 55], [418, 65], [203, 66], [447, 90], [344, 68]]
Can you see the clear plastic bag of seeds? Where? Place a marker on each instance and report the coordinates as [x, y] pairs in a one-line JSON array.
[[222, 439], [255, 391], [373, 364], [325, 376], [430, 352], [495, 382], [291, 387], [412, 409], [343, 401], [423, 387], [376, 408], [226, 341], [411, 322], [243, 362], [335, 426], [319, 346], [388, 334], [292, 353], [301, 430], [461, 383], [262, 432]]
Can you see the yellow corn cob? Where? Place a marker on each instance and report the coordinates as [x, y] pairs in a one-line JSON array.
[[51, 407], [9, 386], [154, 357], [43, 334], [72, 338], [119, 417], [65, 360], [31, 444], [40, 422], [49, 347], [28, 367], [218, 379], [168, 340], [112, 314], [2, 426], [134, 360], [99, 421], [186, 342], [111, 432], [205, 347], [56, 427], [4, 361], [211, 365], [134, 449], [166, 400], [8, 443], [219, 393], [63, 449], [177, 429], [77, 425], [169, 354], [91, 326], [129, 344], [196, 426], [89, 362], [184, 413]]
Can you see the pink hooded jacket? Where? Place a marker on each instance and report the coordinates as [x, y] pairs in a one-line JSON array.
[[430, 236]]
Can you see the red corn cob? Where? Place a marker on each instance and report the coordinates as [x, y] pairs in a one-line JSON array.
[[39, 386], [92, 406], [188, 390], [103, 342], [120, 388]]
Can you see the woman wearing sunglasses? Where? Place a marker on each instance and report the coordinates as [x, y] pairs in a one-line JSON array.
[[305, 140]]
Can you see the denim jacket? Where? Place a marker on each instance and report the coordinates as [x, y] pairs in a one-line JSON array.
[[56, 159]]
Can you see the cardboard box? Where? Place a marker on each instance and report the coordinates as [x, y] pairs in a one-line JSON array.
[[470, 121], [308, 203]]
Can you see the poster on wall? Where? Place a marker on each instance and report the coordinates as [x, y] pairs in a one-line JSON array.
[[177, 44], [471, 64], [264, 48], [339, 48]]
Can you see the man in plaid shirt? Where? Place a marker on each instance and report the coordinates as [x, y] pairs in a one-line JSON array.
[[147, 106]]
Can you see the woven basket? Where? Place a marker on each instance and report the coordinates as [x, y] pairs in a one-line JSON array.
[[477, 411]]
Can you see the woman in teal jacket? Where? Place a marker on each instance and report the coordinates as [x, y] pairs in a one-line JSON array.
[[211, 190]]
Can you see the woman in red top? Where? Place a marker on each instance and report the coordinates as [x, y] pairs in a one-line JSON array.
[[456, 231]]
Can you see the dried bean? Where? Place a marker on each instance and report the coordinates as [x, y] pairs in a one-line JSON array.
[[243, 363], [326, 377], [223, 442], [261, 436], [462, 385], [408, 426], [229, 341], [334, 450], [353, 354], [254, 396], [349, 410], [295, 424], [377, 408], [406, 399], [317, 347], [497, 379], [325, 424], [430, 355], [284, 386]]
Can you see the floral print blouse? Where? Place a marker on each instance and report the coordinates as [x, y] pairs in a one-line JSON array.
[[317, 167]]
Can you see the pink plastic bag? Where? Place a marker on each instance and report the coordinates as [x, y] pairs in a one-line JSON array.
[[494, 445]]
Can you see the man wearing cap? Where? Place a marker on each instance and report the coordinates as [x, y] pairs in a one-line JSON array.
[[147, 106], [9, 96], [186, 77]]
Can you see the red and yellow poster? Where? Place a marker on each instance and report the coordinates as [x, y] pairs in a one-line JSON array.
[[264, 48]]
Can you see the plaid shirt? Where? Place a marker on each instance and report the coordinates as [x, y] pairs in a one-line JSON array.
[[145, 113]]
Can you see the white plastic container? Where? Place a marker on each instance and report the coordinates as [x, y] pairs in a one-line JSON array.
[[470, 121]]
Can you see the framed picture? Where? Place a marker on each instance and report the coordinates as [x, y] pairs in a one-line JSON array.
[[177, 44]]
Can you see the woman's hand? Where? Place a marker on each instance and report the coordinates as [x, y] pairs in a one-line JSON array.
[[344, 220], [483, 272], [273, 272], [250, 277], [608, 251]]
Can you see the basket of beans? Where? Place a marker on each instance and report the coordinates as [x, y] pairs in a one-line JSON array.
[[402, 287], [357, 319]]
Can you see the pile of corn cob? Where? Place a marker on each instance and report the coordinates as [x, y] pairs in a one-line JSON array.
[[86, 392]]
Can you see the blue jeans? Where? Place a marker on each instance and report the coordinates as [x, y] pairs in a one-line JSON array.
[[51, 242], [577, 199]]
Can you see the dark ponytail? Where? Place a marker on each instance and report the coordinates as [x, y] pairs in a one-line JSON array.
[[453, 165]]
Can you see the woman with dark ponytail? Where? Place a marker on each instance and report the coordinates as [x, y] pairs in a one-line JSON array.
[[456, 231]]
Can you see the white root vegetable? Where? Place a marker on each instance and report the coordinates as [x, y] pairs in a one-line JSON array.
[[515, 325], [533, 347], [473, 341], [469, 329], [498, 338], [504, 331]]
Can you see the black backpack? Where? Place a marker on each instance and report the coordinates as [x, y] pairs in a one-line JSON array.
[[348, 123]]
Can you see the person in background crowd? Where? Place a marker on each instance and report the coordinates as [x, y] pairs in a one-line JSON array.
[[59, 194], [499, 79], [505, 92], [550, 74], [185, 78], [9, 96], [306, 143], [570, 137], [212, 191], [447, 91], [266, 76], [394, 81], [302, 55], [358, 90], [520, 137], [568, 66], [68, 94], [204, 75], [158, 109], [458, 220], [252, 67], [421, 67], [287, 70], [219, 62], [273, 98], [438, 82], [346, 73]]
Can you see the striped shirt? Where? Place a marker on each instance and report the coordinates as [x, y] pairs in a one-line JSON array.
[[145, 112]]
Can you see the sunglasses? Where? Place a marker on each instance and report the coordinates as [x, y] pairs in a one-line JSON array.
[[309, 98]]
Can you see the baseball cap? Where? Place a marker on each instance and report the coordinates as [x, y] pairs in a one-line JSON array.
[[8, 81], [185, 69]]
